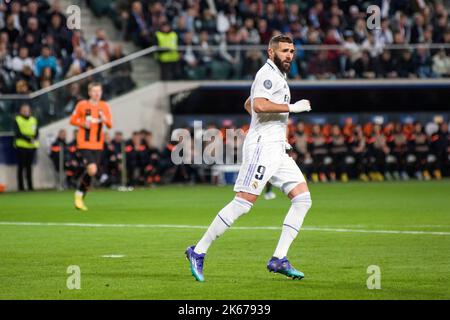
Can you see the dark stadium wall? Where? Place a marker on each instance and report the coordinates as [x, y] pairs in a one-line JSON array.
[[325, 97]]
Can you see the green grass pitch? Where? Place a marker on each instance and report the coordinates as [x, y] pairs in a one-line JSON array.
[[349, 228]]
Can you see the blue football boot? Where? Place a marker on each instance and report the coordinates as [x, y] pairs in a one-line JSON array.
[[284, 267], [196, 263]]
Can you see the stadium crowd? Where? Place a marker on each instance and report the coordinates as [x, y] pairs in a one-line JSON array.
[[315, 22], [369, 152], [37, 49]]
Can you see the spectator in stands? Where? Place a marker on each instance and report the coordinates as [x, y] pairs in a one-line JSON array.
[[138, 27], [103, 45], [208, 22], [34, 29], [384, 36], [319, 67], [365, 66], [418, 28], [441, 64], [95, 57], [232, 56], [22, 87], [422, 61], [206, 53], [386, 66], [17, 14], [406, 65], [60, 32], [11, 30], [46, 61], [79, 60], [28, 76], [54, 46], [360, 30], [23, 59], [121, 80], [264, 31], [350, 45], [35, 10], [78, 40], [248, 33], [372, 46], [189, 58], [157, 15], [33, 46], [252, 63]]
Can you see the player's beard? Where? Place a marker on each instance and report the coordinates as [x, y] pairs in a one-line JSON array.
[[282, 65]]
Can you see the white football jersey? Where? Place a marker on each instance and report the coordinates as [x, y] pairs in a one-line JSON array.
[[269, 83]]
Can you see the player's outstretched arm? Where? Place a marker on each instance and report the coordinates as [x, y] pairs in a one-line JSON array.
[[263, 105]]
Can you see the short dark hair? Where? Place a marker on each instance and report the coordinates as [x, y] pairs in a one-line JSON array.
[[94, 84], [280, 38]]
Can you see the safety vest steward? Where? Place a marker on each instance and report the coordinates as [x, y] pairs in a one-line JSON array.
[[168, 40], [28, 127]]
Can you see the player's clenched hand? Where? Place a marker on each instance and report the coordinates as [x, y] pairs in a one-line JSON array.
[[300, 106]]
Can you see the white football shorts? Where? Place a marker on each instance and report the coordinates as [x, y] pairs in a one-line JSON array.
[[263, 162]]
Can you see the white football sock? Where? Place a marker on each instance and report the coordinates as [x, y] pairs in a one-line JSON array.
[[79, 193], [292, 223], [222, 222]]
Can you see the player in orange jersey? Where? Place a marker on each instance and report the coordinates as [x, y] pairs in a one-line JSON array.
[[91, 116]]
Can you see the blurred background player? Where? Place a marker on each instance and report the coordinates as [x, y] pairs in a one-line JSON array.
[[90, 116], [269, 194]]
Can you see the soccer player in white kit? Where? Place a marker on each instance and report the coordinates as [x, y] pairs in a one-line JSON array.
[[265, 159]]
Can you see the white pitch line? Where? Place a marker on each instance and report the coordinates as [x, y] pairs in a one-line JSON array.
[[177, 226], [113, 256]]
